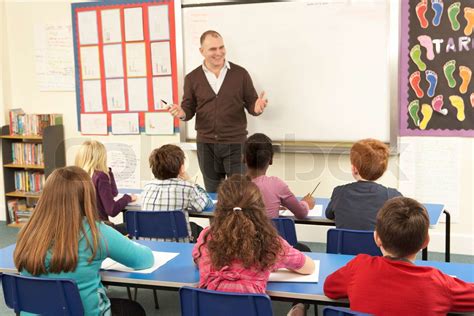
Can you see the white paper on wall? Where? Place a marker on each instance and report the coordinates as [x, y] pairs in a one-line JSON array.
[[111, 32], [87, 26], [124, 158], [159, 123], [136, 60], [159, 22], [137, 94], [162, 90], [113, 61], [90, 62], [94, 124], [125, 124], [115, 94], [92, 96], [133, 24], [161, 58]]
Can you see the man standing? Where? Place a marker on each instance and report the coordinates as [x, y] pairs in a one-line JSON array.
[[218, 92]]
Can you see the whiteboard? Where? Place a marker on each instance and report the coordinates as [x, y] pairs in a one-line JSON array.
[[324, 65]]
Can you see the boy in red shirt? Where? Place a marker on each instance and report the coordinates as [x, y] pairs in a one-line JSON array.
[[393, 284]]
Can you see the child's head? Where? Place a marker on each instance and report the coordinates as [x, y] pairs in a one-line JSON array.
[[241, 229], [167, 162], [369, 157], [92, 156], [402, 227], [258, 151], [56, 223]]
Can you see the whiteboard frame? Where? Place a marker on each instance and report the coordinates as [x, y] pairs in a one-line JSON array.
[[321, 147]]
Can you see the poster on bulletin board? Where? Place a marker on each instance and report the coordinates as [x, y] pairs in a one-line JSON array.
[[126, 66], [437, 62]]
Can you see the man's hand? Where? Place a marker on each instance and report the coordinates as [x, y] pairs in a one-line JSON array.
[[176, 111], [261, 103]]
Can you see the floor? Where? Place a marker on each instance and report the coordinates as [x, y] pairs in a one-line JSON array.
[[169, 300]]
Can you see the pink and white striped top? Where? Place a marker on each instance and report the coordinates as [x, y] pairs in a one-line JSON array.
[[237, 278]]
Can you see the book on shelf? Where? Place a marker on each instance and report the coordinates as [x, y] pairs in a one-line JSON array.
[[31, 124], [12, 206], [27, 154], [27, 181]]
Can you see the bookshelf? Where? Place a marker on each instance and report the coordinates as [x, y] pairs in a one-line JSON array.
[[54, 156]]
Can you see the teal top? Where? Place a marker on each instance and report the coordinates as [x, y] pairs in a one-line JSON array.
[[113, 245]]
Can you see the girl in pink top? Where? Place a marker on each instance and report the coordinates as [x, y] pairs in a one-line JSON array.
[[241, 247], [258, 157]]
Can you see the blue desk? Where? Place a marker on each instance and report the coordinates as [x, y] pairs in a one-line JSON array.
[[435, 211], [182, 271]]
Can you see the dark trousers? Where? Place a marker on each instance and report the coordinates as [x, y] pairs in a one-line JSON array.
[[125, 307], [218, 161]]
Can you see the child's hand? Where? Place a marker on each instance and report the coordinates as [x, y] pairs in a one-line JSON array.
[[310, 200], [133, 197]]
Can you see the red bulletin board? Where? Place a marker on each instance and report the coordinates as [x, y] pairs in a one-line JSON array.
[[125, 22]]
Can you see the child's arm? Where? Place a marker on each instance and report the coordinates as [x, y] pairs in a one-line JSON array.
[[461, 293], [288, 200], [308, 266], [105, 192], [336, 284], [333, 202], [294, 259], [126, 251], [200, 200], [113, 183]]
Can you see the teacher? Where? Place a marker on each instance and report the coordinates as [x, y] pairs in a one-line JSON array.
[[218, 92]]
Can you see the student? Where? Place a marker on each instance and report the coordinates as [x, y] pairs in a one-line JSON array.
[[258, 157], [171, 189], [355, 205], [92, 157], [393, 284], [65, 239], [241, 247]]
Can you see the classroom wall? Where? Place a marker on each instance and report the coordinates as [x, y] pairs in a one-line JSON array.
[[18, 88]]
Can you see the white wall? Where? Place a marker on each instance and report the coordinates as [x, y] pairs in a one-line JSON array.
[[18, 88]]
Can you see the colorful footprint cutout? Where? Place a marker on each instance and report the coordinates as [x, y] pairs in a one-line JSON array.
[[427, 43], [413, 109], [458, 103], [465, 73], [432, 79], [469, 16], [453, 11], [472, 99], [421, 9], [415, 79], [415, 54], [448, 70], [437, 6], [427, 113], [437, 104]]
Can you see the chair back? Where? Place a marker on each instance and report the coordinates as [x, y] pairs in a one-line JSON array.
[[286, 229], [157, 224], [340, 311], [201, 302], [351, 242], [43, 296]]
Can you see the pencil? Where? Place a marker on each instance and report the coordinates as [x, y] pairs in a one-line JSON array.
[[317, 185]]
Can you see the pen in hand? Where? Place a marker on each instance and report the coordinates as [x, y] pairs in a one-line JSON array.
[[317, 185]]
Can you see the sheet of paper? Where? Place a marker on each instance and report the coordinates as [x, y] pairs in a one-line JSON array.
[[133, 24], [115, 95], [137, 94], [92, 96], [161, 258], [54, 57], [159, 123], [90, 62], [159, 22], [162, 90], [111, 32], [285, 275], [113, 61], [317, 211], [125, 124], [136, 60], [87, 26], [430, 171], [94, 124], [124, 158], [161, 58], [137, 202]]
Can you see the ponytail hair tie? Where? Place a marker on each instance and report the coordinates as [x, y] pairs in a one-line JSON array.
[[237, 209]]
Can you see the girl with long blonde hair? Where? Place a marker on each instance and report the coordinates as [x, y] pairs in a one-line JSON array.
[[241, 247], [64, 239], [92, 157]]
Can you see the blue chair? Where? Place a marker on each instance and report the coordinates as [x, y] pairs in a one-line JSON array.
[[351, 242], [197, 302], [157, 224], [41, 295], [340, 311], [286, 229]]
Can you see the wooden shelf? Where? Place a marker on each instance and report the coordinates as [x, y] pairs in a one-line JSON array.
[[17, 225], [28, 137], [23, 194], [18, 166]]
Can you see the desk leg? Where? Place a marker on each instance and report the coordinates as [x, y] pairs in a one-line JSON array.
[[424, 254], [448, 236]]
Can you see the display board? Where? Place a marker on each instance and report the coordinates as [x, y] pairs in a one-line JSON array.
[[324, 65], [126, 66]]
